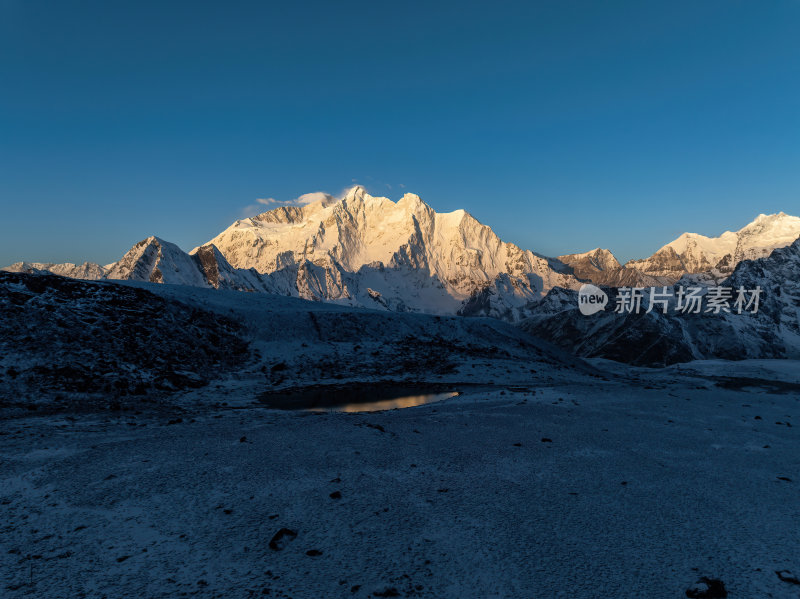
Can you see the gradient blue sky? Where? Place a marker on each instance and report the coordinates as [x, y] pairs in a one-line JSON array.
[[563, 125]]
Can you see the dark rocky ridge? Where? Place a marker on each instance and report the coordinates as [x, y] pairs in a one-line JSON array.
[[81, 343]]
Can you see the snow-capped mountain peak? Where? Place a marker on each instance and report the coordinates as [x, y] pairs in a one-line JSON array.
[[362, 234], [694, 253], [355, 192], [371, 251], [765, 233], [157, 261]]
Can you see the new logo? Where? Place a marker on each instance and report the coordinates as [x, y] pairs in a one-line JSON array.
[[591, 299]]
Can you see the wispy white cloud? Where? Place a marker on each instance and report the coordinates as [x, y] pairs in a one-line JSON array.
[[303, 200], [309, 198]]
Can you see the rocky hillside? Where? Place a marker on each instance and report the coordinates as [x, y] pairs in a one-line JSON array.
[[83, 344]]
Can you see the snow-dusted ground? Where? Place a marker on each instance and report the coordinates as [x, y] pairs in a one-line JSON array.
[[548, 476], [568, 486]]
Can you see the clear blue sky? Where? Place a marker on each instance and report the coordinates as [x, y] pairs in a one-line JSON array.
[[563, 125]]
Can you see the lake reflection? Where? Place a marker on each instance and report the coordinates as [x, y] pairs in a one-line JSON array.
[[357, 398]]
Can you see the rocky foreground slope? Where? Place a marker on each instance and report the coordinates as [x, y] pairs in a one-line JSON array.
[[79, 344]]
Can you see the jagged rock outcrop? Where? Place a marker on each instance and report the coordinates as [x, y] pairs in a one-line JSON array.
[[602, 268], [588, 263]]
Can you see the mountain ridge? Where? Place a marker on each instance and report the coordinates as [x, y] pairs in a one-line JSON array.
[[656, 339], [693, 253], [369, 251]]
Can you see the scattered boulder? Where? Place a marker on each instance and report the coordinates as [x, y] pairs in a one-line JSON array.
[[707, 588], [787, 576], [282, 538]]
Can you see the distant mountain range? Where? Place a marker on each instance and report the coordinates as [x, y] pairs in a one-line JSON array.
[[711, 259], [718, 256], [368, 251], [657, 339]]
